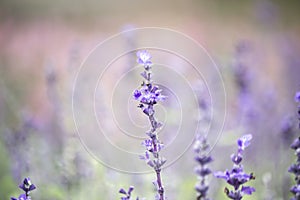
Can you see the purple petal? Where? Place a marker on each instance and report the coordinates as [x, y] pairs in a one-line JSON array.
[[237, 159], [122, 191], [297, 97], [130, 189], [248, 190], [244, 141], [143, 57], [32, 187], [150, 163], [222, 175], [296, 144], [295, 189], [137, 94], [22, 197]]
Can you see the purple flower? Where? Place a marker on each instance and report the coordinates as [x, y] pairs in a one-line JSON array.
[[21, 197], [202, 190], [236, 158], [236, 177], [203, 171], [248, 190], [148, 110], [148, 96], [148, 144], [244, 141], [297, 97], [127, 193], [224, 175], [295, 189], [200, 148], [27, 186], [203, 160], [144, 58], [295, 168], [137, 94], [296, 144]]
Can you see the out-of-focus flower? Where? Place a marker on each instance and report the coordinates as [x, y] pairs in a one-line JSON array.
[[297, 97], [201, 147]]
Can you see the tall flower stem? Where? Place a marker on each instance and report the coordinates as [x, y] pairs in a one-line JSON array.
[[295, 168], [156, 155], [148, 96]]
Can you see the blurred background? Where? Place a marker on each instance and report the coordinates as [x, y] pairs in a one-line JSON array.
[[255, 44]]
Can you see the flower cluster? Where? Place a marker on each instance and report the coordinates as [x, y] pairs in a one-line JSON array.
[[295, 168], [27, 187], [201, 147], [149, 95], [127, 193], [236, 177]]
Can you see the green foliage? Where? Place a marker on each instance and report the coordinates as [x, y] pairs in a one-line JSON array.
[[186, 191], [50, 192], [7, 185]]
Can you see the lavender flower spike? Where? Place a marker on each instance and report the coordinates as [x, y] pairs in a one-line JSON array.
[[203, 159], [297, 99], [236, 177], [295, 168], [148, 96]]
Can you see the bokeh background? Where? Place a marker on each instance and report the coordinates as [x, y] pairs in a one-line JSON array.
[[256, 45]]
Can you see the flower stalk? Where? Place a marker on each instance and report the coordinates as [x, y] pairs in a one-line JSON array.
[[295, 168], [236, 177], [201, 147], [148, 96]]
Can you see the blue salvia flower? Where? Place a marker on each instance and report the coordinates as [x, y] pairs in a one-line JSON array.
[[295, 168], [27, 187], [236, 177], [127, 194], [202, 158], [148, 96]]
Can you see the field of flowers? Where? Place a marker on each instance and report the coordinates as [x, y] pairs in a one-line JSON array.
[[167, 100]]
